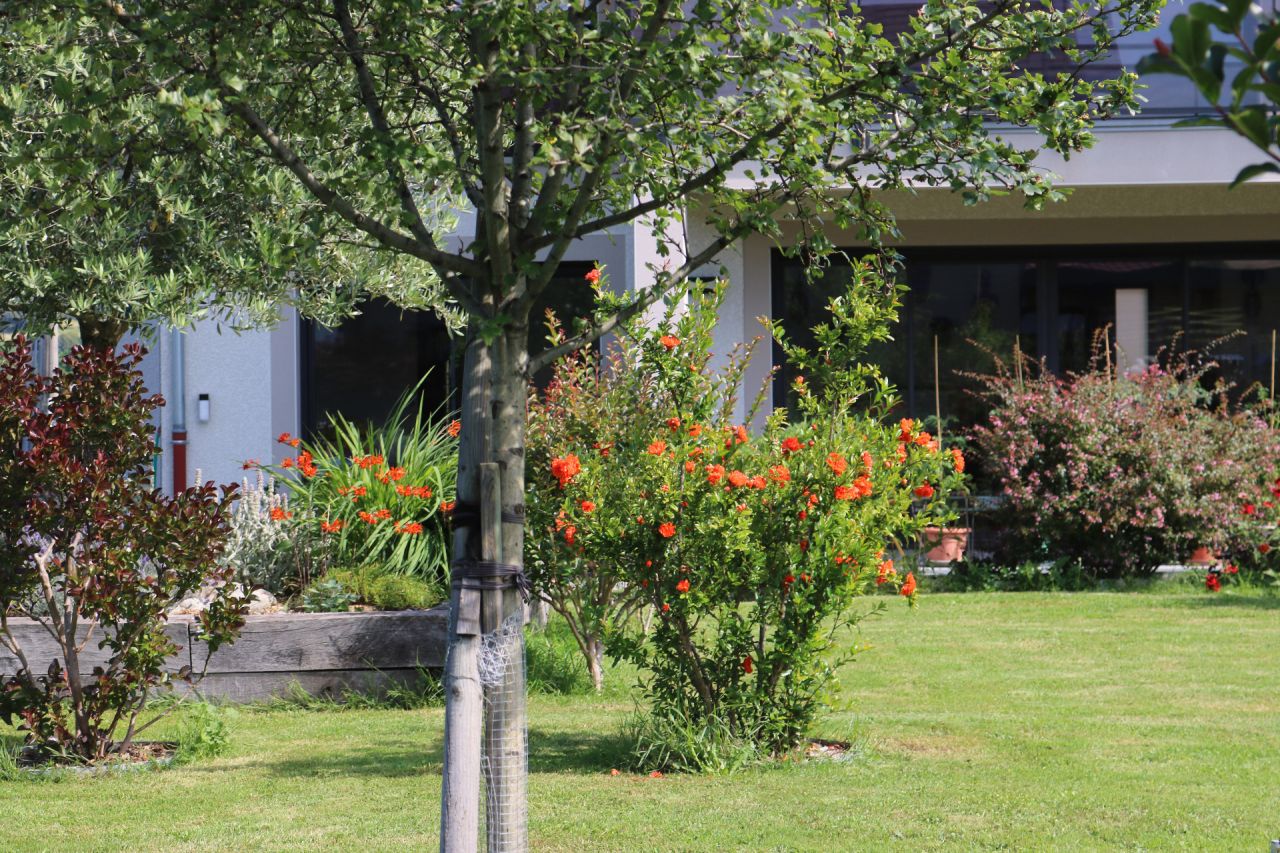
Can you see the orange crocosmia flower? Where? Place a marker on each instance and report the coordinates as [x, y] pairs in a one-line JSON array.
[[413, 528], [695, 430], [715, 473], [924, 491], [791, 444], [331, 526], [383, 513], [673, 424], [287, 463], [593, 276], [957, 459], [667, 529], [367, 517], [359, 491], [683, 586], [248, 464], [740, 434], [284, 438], [689, 466], [909, 585], [669, 341], [396, 474], [779, 474], [657, 448], [454, 428], [737, 479], [588, 506], [447, 506], [280, 514], [565, 468], [837, 463]]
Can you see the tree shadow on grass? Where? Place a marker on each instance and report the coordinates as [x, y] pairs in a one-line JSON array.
[[401, 760], [576, 752], [1210, 601]]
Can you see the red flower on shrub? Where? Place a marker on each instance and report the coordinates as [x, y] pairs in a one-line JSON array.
[[737, 479], [1231, 568], [588, 506], [673, 424], [867, 462], [1212, 583], [909, 585], [837, 463], [689, 466], [957, 460], [667, 529], [780, 475], [788, 580], [287, 463], [740, 434], [593, 276], [669, 341], [884, 572], [747, 664], [923, 491], [715, 473], [565, 468], [657, 448], [906, 429], [791, 444], [570, 532], [683, 586], [846, 493], [1264, 547], [695, 430], [1248, 509]]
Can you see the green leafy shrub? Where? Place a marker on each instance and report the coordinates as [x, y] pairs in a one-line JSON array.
[[744, 554], [87, 544], [327, 595], [374, 586], [204, 732], [975, 576], [1123, 473], [381, 495]]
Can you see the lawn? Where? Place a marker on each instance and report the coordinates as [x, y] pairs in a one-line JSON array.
[[1001, 721]]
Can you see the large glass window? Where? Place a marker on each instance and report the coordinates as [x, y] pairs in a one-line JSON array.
[[362, 367]]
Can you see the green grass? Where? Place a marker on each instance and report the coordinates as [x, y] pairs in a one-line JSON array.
[[1007, 721]]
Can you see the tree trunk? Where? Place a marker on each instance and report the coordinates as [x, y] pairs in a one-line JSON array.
[[595, 662], [101, 332]]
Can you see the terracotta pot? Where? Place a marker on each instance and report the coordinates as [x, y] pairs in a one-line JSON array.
[[1202, 556], [945, 544]]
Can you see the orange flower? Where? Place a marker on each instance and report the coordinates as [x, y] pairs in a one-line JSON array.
[[359, 491], [837, 463], [740, 434], [367, 517], [902, 454], [957, 459], [906, 428], [790, 444], [454, 428], [657, 448], [447, 506], [593, 276], [884, 572], [909, 585], [779, 474], [924, 439], [683, 586], [331, 526], [689, 466], [747, 664], [715, 473], [279, 514], [248, 464], [285, 438], [867, 462], [588, 506], [924, 491], [383, 514], [569, 533], [673, 424], [695, 430], [669, 341], [566, 468], [737, 479], [846, 493], [287, 463], [667, 529], [396, 474], [758, 482], [413, 528]]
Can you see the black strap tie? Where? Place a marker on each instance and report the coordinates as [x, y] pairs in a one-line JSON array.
[[468, 515], [489, 575]]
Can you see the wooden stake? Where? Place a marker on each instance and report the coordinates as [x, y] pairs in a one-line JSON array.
[[1273, 365], [937, 391], [1106, 339], [1017, 359]]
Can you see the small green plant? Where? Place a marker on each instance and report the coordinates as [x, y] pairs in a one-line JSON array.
[[1064, 575], [203, 733], [327, 595], [423, 691], [269, 548], [376, 587], [555, 664], [672, 741]]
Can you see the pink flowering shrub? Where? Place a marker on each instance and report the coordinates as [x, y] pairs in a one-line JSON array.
[[1123, 473]]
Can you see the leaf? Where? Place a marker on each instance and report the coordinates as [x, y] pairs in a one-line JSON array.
[[1253, 171]]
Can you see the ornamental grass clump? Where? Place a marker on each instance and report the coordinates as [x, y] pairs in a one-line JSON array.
[[94, 553], [721, 562], [1123, 473]]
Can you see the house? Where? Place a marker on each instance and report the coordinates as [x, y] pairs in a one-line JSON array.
[[1152, 243]]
